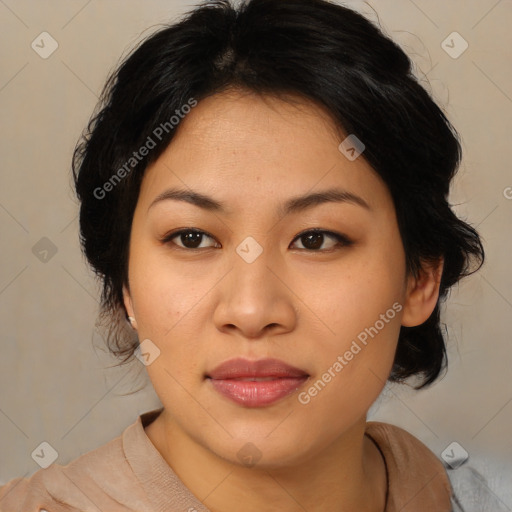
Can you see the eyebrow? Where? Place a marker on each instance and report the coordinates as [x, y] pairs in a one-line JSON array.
[[293, 205]]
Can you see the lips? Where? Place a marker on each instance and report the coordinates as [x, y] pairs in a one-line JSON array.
[[256, 383]]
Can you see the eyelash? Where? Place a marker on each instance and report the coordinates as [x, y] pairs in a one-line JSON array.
[[342, 240]]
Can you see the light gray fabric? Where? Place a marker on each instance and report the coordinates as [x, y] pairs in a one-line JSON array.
[[472, 493]]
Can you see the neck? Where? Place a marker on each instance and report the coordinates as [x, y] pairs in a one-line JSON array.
[[348, 474]]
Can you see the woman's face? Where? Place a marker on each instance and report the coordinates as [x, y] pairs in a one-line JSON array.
[[251, 281]]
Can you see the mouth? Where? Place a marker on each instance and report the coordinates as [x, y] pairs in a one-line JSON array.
[[256, 383]]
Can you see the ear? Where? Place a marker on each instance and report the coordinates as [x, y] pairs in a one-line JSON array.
[[127, 300], [422, 294]]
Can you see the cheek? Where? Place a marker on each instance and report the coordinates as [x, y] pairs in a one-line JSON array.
[[355, 295], [351, 372], [172, 302], [169, 305], [362, 312], [166, 295]]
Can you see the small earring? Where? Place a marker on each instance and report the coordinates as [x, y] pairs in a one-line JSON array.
[[132, 321]]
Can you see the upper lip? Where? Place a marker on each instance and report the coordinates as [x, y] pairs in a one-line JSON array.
[[240, 368]]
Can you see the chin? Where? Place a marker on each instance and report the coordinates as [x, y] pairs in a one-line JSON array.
[[254, 448]]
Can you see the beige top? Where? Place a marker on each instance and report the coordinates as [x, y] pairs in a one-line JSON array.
[[129, 474]]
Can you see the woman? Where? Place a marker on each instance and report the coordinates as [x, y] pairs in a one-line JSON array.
[[264, 193]]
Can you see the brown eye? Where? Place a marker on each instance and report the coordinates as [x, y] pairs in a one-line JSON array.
[[313, 240], [189, 239]]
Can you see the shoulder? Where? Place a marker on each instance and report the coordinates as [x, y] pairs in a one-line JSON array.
[[417, 479], [400, 445], [74, 486]]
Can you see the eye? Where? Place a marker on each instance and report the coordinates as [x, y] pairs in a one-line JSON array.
[[189, 238], [313, 240]]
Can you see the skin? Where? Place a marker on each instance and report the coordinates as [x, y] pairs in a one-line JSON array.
[[203, 306]]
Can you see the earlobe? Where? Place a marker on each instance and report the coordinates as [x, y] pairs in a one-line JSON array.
[[422, 294]]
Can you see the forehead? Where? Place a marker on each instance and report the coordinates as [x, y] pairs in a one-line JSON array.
[[241, 120], [239, 145]]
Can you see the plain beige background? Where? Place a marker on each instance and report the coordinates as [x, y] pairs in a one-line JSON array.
[[55, 384]]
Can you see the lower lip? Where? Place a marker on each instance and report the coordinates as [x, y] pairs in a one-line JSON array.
[[257, 393]]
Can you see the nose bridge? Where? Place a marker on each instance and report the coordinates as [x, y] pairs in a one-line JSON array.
[[252, 273], [253, 297]]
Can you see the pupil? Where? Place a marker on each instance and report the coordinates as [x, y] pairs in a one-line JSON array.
[[310, 241], [191, 238], [316, 240]]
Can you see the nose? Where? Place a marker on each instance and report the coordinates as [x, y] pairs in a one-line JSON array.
[[255, 300]]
